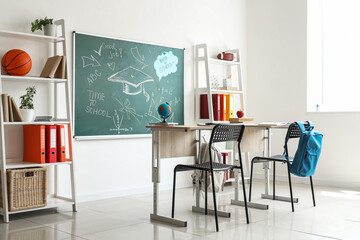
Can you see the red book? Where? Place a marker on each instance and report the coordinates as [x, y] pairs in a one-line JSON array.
[[216, 106], [60, 140], [50, 148], [34, 143]]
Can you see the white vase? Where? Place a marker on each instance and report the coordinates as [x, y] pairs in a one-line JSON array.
[[50, 30], [27, 114]]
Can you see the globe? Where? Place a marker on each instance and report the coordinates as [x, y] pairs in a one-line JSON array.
[[164, 111]]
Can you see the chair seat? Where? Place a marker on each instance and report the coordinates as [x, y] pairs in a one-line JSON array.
[[204, 166], [272, 158]]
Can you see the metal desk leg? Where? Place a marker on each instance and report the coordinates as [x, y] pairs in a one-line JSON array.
[[156, 181], [197, 207], [236, 200]]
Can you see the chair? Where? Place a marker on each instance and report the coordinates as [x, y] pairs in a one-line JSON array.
[[294, 131], [220, 133]]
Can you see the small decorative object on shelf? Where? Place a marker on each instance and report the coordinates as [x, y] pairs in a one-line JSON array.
[[226, 56], [43, 119], [26, 104], [227, 82], [164, 111], [16, 62], [49, 27]]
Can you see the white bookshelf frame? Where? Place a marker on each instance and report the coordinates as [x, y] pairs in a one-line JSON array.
[[5, 163]]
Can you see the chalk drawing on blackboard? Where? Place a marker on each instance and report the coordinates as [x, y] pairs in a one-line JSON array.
[[141, 59], [132, 80], [111, 65], [126, 108], [118, 122], [152, 112], [165, 64], [146, 94], [90, 61]]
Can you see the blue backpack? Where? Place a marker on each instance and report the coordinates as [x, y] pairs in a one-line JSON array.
[[307, 153]]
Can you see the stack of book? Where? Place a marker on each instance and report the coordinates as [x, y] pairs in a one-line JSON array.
[[47, 143], [55, 67], [223, 106], [11, 112]]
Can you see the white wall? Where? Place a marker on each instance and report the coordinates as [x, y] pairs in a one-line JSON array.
[[116, 167], [276, 58]]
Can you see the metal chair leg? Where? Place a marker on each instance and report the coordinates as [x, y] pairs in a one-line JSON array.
[[274, 172], [312, 191], [251, 176], [173, 197], [206, 194], [244, 191], [290, 186], [214, 198]]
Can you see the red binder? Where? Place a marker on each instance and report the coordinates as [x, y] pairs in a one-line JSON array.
[[34, 143], [204, 110], [222, 107], [60, 140], [216, 106], [50, 138]]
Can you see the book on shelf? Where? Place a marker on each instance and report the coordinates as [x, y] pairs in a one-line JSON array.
[[225, 161], [34, 143], [229, 106], [11, 116], [229, 88], [5, 107], [54, 67], [16, 112], [241, 120], [43, 119], [222, 107]]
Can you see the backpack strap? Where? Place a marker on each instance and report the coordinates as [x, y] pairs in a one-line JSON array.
[[301, 126], [311, 126]]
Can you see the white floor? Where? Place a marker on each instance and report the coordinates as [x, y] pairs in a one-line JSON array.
[[336, 216]]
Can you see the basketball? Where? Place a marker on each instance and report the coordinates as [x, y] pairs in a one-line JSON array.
[[16, 62]]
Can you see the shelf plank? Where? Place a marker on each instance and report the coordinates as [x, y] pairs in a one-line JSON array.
[[215, 60], [204, 90], [32, 79], [30, 36], [36, 123], [12, 165], [53, 202]]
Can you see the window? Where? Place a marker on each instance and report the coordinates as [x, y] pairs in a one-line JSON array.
[[333, 55]]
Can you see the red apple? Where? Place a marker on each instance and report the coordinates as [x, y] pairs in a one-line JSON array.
[[240, 114]]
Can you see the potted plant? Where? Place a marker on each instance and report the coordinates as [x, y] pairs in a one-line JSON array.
[[27, 105], [49, 27]]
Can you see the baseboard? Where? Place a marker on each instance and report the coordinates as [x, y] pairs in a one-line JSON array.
[[316, 182]]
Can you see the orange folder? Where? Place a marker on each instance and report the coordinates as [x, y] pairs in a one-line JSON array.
[[50, 138], [60, 134], [34, 143]]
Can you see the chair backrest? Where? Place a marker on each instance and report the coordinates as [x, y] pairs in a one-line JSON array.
[[227, 132], [293, 131]]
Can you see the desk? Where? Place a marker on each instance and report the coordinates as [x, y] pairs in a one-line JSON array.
[[181, 141]]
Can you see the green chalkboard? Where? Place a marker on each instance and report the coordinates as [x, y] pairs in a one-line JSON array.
[[119, 84]]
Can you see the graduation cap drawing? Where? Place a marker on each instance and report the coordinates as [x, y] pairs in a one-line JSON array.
[[132, 80]]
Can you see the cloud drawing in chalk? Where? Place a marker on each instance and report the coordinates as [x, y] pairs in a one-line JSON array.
[[165, 64]]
